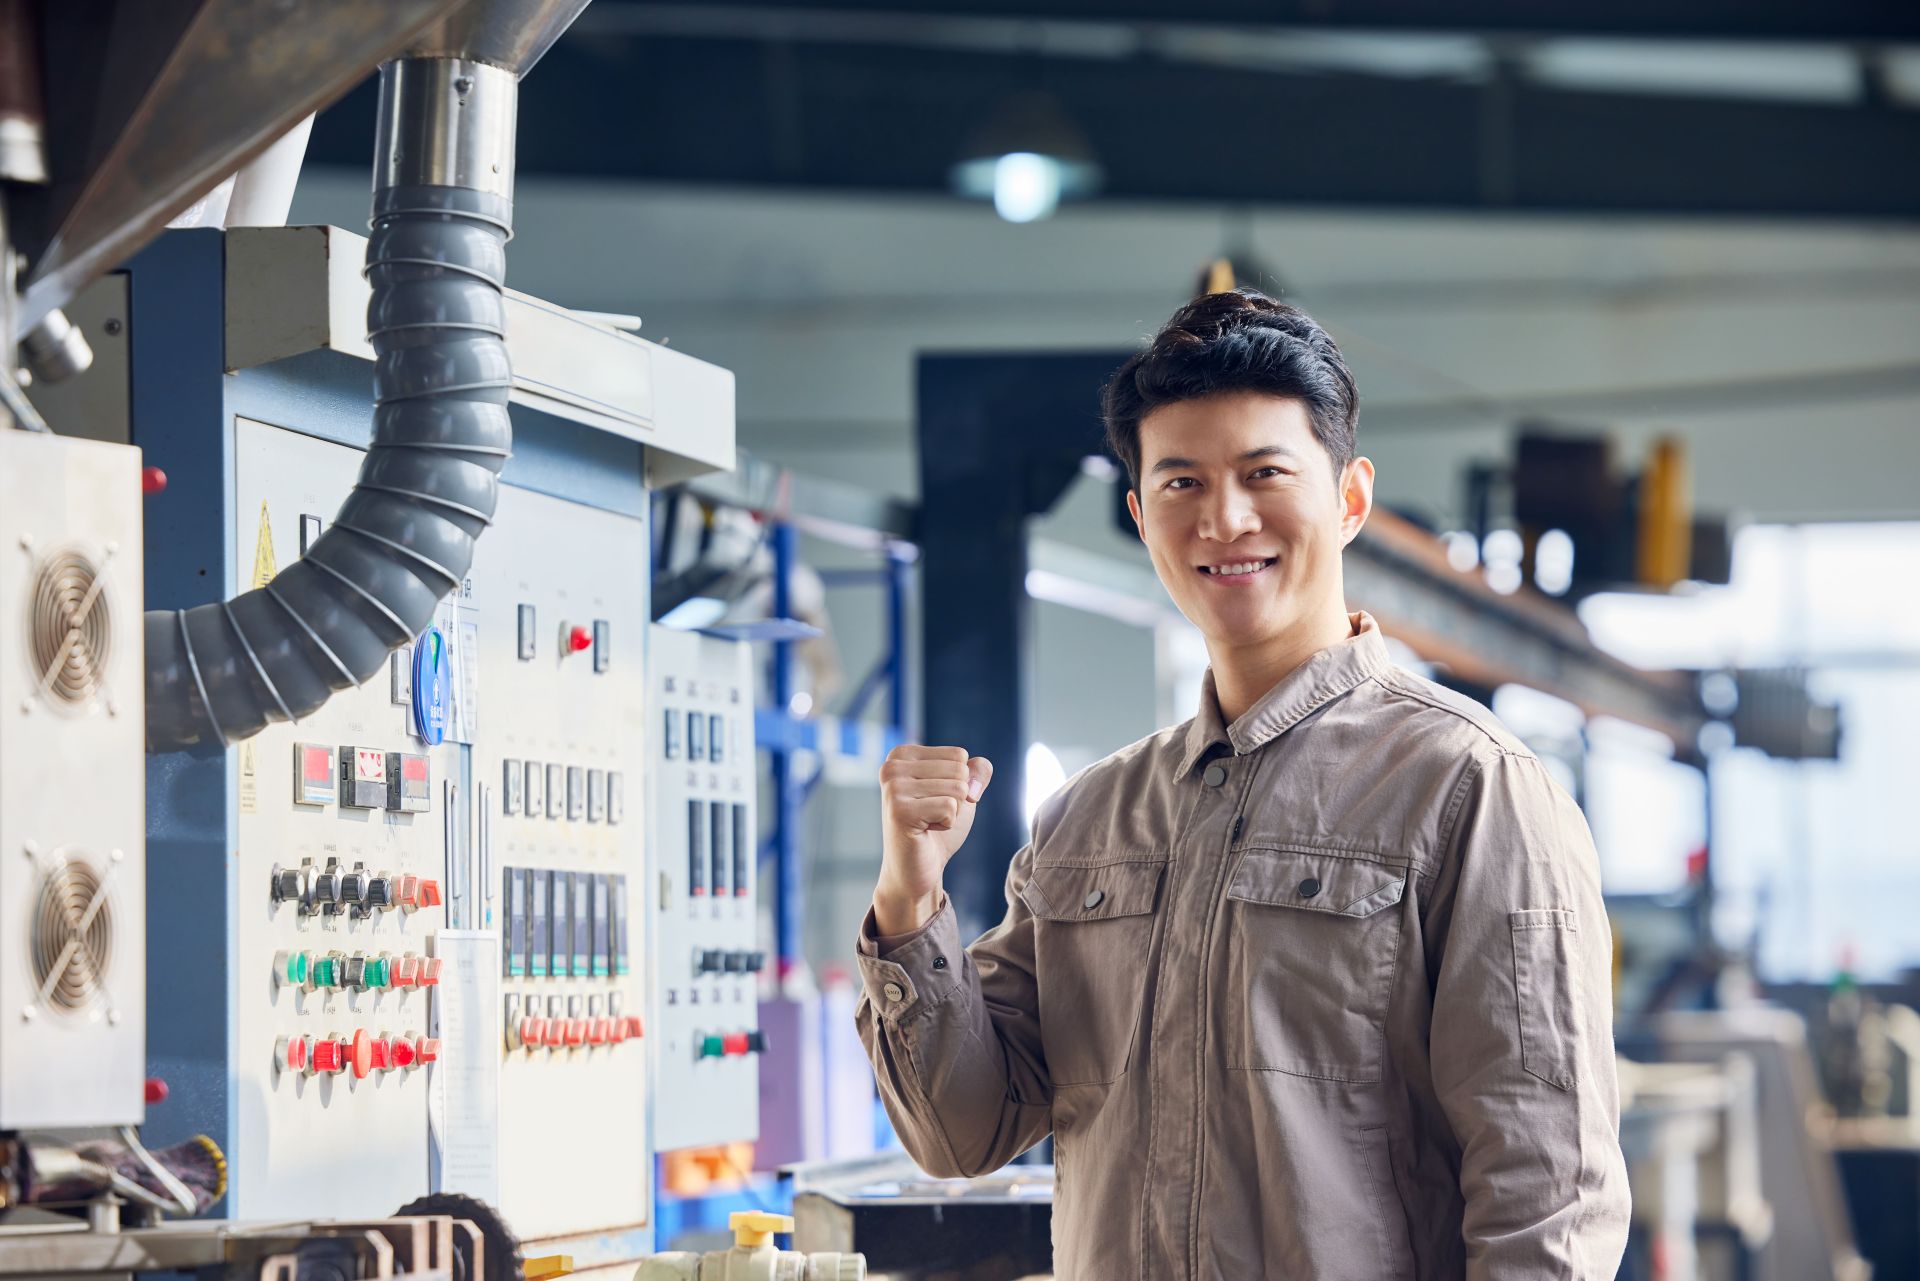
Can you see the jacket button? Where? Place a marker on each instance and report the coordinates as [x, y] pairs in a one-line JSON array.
[[1093, 899], [1309, 888], [939, 962], [894, 992], [1216, 774]]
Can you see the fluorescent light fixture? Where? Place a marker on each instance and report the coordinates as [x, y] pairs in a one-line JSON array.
[[695, 612]]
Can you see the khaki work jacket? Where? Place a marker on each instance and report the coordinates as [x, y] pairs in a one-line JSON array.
[[1322, 995]]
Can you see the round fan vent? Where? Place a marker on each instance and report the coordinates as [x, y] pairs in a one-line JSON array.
[[72, 936], [72, 628]]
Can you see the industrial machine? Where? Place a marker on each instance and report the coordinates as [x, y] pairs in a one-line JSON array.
[[453, 915], [706, 1038]]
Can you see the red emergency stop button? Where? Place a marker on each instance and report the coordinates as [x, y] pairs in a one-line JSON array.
[[578, 638], [328, 1055], [360, 1054], [402, 1053], [429, 1048]]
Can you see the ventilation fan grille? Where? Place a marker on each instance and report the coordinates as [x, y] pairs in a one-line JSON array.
[[72, 937], [72, 628]]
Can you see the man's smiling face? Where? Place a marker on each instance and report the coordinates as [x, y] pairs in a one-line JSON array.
[[1243, 514]]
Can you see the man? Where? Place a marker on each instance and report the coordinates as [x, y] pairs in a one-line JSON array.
[[1314, 986]]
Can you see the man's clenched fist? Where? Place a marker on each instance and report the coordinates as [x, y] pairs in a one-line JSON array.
[[927, 797]]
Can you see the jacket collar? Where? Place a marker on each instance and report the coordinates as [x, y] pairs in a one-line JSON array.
[[1322, 678]]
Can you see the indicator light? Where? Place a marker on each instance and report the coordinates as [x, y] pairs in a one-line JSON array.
[[290, 1054], [735, 1044], [290, 968], [578, 639], [382, 1053], [712, 1047], [402, 1054]]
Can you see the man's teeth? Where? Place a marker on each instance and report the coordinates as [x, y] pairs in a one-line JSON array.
[[1244, 567]]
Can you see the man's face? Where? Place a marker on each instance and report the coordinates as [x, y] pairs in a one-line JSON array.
[[1243, 515]]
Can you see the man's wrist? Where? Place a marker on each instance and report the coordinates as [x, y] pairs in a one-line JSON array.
[[895, 912]]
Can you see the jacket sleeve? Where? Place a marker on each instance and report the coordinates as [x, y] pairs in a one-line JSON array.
[[1522, 1032], [954, 1035]]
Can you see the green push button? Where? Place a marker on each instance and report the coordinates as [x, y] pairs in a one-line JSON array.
[[713, 1047], [378, 972], [326, 972], [297, 968]]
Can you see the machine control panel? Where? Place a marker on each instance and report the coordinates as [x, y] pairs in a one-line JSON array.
[[708, 958]]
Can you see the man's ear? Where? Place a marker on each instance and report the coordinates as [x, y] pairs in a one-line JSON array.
[[1133, 509], [1356, 498]]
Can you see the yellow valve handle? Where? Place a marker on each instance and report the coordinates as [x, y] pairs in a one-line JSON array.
[[753, 1228], [548, 1265]]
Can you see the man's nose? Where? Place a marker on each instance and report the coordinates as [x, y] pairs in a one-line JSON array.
[[1228, 514]]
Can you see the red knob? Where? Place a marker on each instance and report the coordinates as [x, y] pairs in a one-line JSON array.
[[578, 638], [631, 1026], [406, 971], [328, 1055], [600, 1032], [576, 1031], [152, 481], [156, 1091], [532, 1032], [429, 893], [408, 893]]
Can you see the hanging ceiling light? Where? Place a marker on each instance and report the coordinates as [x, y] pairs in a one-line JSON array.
[[1027, 158]]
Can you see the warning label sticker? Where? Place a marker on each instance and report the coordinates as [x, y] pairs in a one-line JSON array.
[[263, 563]]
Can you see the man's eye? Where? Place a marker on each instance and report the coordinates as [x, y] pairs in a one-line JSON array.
[[1262, 472], [1181, 482]]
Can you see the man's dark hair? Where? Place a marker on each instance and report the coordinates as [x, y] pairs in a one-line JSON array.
[[1240, 340]]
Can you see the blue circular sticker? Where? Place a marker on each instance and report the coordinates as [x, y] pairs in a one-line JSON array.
[[432, 686]]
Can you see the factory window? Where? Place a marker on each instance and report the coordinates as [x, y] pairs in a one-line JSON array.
[[1816, 861]]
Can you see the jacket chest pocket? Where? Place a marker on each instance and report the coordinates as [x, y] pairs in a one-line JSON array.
[[1312, 961], [1093, 932]]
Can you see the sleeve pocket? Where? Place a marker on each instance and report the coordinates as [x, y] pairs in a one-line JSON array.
[[1543, 944]]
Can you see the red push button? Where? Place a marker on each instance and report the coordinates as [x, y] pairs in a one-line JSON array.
[[429, 1047], [152, 481], [734, 1043], [156, 1091], [382, 1054], [360, 1054], [429, 893], [578, 639], [402, 1053], [328, 1055], [430, 970]]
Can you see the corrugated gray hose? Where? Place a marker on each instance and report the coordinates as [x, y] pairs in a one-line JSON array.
[[404, 538]]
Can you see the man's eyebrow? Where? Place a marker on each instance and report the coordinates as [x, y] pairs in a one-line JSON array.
[[1265, 451]]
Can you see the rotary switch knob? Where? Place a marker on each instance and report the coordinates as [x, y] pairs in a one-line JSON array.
[[290, 883], [353, 886], [326, 887], [380, 894]]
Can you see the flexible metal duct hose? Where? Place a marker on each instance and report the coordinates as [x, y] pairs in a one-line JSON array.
[[404, 537]]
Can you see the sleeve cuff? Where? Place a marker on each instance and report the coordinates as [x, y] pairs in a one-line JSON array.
[[902, 973]]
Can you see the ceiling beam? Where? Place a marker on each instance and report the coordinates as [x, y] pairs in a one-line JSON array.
[[877, 118]]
